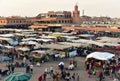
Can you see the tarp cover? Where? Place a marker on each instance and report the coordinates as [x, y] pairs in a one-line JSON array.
[[5, 58], [100, 55]]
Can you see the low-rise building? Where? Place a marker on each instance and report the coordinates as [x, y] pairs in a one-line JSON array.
[[15, 21], [52, 21], [52, 17]]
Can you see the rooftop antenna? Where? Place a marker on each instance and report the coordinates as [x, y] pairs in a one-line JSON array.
[[76, 2], [83, 13]]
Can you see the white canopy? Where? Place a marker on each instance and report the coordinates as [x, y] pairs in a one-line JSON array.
[[32, 42], [9, 47], [100, 55], [7, 35], [29, 42], [23, 49]]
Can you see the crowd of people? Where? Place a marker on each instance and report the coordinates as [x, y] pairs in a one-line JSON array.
[[62, 74], [107, 69]]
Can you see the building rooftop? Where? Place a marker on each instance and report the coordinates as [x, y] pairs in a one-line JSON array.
[[48, 19]]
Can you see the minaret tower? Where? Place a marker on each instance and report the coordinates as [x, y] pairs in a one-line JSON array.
[[76, 15]]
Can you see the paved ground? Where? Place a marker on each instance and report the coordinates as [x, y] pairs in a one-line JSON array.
[[39, 70]]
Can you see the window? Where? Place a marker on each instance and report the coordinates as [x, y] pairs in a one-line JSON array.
[[8, 21], [59, 21], [4, 21], [65, 21]]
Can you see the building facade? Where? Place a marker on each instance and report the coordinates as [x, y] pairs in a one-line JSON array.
[[15, 21], [55, 17], [52, 21]]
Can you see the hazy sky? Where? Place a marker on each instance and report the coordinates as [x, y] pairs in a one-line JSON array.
[[34, 7]]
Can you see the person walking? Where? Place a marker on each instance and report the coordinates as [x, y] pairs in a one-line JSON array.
[[70, 62], [94, 72], [12, 67], [9, 67], [89, 73], [0, 74], [100, 75], [31, 68], [44, 76], [77, 77], [24, 60], [51, 69], [40, 78], [87, 65], [63, 74], [27, 68], [48, 73], [73, 77], [53, 77], [67, 76]]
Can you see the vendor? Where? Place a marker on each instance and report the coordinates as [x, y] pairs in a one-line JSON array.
[[71, 67]]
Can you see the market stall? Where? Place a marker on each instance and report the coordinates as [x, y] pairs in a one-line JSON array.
[[100, 55]]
